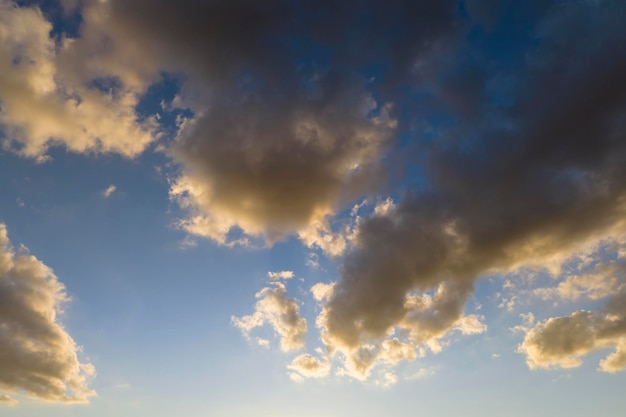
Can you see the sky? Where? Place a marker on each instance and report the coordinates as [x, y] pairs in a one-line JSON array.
[[312, 208]]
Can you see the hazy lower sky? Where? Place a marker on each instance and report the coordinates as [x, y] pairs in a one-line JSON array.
[[312, 208]]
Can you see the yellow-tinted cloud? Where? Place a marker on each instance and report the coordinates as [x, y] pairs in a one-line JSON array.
[[272, 171], [595, 285], [309, 366], [109, 190], [53, 94], [280, 312], [38, 357]]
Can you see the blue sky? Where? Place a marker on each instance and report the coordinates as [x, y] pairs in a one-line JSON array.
[[306, 208]]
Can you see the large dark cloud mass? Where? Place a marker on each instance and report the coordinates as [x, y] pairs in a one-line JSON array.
[[288, 126], [548, 177]]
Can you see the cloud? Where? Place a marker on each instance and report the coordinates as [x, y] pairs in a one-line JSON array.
[[109, 190], [38, 356], [313, 260], [528, 171], [273, 170], [596, 285], [322, 291], [561, 342], [54, 93], [308, 366], [532, 190], [276, 276], [388, 379], [280, 312], [6, 400], [278, 143]]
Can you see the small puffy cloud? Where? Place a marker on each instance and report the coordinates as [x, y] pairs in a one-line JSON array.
[[280, 312], [394, 351], [322, 291], [53, 93], [109, 190], [617, 360], [277, 276], [38, 357], [561, 342], [471, 324], [309, 366]]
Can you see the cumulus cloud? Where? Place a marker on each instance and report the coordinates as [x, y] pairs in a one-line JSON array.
[[54, 93], [533, 191], [280, 312], [279, 169], [39, 357], [278, 143], [561, 342], [322, 291]]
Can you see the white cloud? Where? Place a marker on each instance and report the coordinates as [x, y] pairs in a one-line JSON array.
[[322, 291], [109, 190], [280, 312], [308, 366], [38, 356], [277, 276]]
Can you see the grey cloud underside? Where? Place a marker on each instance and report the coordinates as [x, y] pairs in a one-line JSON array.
[[551, 178], [280, 140]]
